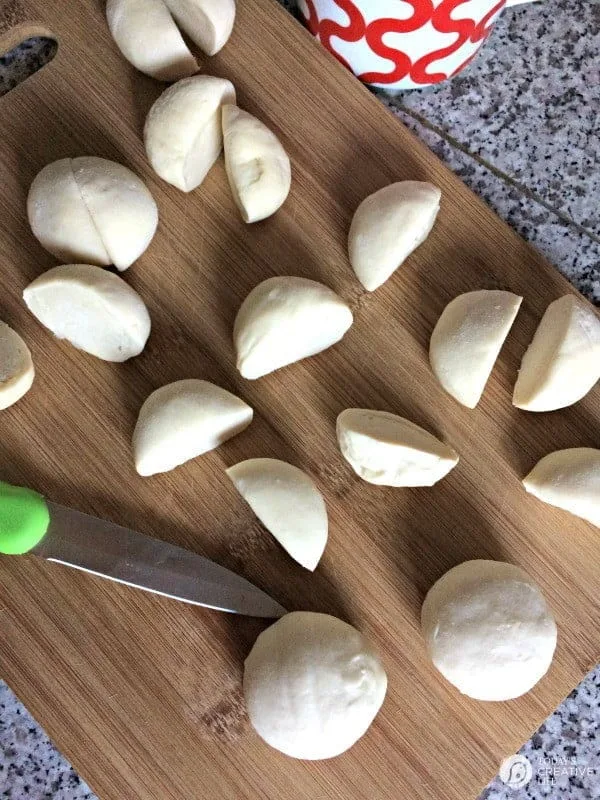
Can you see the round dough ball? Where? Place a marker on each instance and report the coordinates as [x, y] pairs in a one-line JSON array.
[[489, 630], [16, 367], [92, 211], [93, 309], [312, 685]]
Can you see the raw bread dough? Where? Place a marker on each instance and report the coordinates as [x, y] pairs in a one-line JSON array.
[[183, 420], [93, 309], [147, 36], [91, 210], [388, 226], [467, 340], [288, 504], [569, 479], [562, 362], [258, 168], [388, 450], [208, 23], [489, 630], [182, 134], [284, 320], [312, 685], [16, 367]]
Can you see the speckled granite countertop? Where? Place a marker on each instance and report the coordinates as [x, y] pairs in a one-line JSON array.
[[521, 128]]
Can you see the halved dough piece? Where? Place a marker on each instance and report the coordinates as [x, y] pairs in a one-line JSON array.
[[388, 450], [284, 320], [562, 363], [59, 218], [182, 134], [569, 479], [16, 367], [121, 207], [467, 339], [183, 420], [93, 309], [148, 37], [288, 504], [207, 22], [258, 168], [92, 210], [388, 226]]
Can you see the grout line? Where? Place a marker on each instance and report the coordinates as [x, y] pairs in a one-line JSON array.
[[525, 190]]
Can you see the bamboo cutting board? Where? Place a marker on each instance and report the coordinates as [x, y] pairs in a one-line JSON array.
[[143, 693]]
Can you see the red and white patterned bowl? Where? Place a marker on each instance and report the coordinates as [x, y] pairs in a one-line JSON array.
[[403, 44]]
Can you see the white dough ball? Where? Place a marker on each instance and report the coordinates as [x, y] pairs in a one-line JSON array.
[[93, 309], [16, 367], [489, 630], [312, 685], [93, 211]]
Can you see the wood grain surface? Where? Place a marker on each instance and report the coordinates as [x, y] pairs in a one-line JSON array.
[[142, 693]]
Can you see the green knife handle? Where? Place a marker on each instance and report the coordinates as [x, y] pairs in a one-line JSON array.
[[24, 519]]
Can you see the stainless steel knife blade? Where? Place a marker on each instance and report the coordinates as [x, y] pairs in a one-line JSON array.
[[110, 551]]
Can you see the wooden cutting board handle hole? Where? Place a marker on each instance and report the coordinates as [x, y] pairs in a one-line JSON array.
[[28, 44]]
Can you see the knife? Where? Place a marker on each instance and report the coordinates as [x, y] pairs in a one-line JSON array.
[[31, 524]]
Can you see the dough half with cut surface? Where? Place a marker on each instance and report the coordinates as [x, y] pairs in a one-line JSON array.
[[148, 38], [258, 168], [183, 420], [16, 367], [562, 363], [288, 504], [388, 450], [489, 630], [147, 35], [467, 340], [388, 226], [93, 309], [208, 23], [286, 319], [183, 135], [312, 685], [569, 479], [91, 210]]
